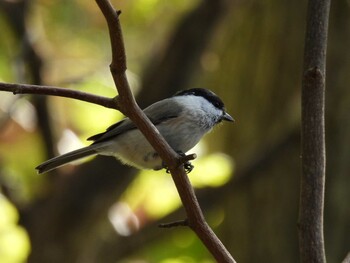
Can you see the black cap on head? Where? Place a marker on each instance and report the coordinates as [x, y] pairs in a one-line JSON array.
[[207, 94]]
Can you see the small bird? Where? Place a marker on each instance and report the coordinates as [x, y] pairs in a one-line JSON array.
[[182, 119]]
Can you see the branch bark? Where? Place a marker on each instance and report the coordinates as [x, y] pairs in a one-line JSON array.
[[311, 240], [129, 106]]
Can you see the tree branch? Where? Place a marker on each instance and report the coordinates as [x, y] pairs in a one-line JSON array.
[[311, 240], [61, 92], [174, 224], [128, 105]]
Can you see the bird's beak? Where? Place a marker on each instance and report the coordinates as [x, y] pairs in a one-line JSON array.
[[227, 117]]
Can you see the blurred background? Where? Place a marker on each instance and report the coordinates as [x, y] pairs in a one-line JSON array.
[[247, 174]]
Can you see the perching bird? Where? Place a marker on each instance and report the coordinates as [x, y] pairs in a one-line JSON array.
[[182, 119]]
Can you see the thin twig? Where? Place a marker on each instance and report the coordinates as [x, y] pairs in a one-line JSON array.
[[61, 92], [174, 224], [188, 157], [311, 239]]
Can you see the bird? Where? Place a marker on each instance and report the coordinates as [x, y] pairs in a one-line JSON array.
[[182, 119]]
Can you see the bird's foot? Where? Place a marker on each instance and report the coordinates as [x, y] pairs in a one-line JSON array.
[[188, 167], [184, 159]]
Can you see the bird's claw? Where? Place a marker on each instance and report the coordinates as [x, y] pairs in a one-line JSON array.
[[187, 165], [167, 170]]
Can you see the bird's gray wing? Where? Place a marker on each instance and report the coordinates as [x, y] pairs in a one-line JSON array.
[[157, 112], [113, 130]]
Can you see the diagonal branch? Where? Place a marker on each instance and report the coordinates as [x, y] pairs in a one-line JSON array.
[[128, 105]]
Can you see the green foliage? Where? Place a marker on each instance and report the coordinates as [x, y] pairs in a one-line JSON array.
[[8, 46], [14, 241], [180, 246]]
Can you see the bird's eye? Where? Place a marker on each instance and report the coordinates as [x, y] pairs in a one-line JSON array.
[[217, 105]]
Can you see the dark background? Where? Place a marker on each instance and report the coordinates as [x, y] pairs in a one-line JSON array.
[[247, 178]]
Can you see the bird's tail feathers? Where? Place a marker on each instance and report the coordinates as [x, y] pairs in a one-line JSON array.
[[66, 158]]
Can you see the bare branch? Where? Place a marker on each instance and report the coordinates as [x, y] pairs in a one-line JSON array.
[[128, 105], [311, 240], [61, 92], [174, 224]]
